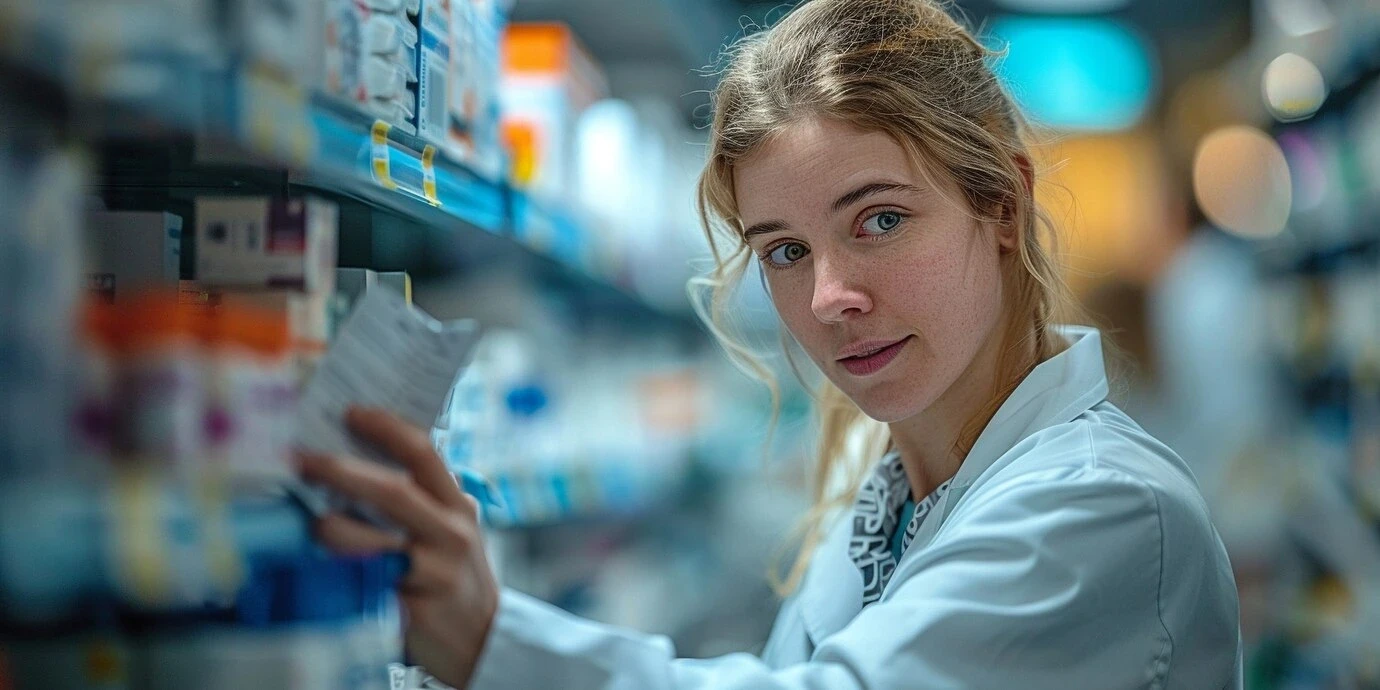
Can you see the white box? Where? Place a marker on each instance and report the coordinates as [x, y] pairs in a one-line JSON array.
[[475, 75], [269, 33], [129, 250], [433, 70], [284, 243], [369, 56]]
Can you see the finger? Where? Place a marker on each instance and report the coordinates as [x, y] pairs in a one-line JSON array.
[[389, 490], [351, 537], [411, 447], [429, 571]]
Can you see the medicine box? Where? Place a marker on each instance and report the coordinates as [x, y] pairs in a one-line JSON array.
[[433, 70], [129, 250], [472, 134], [549, 79], [284, 243], [369, 56]]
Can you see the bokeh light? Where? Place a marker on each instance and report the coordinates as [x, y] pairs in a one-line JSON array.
[[1294, 88], [1241, 181]]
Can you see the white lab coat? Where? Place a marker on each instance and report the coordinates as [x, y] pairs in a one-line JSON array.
[[1072, 552]]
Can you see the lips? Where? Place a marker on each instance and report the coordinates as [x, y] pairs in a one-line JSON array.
[[871, 357]]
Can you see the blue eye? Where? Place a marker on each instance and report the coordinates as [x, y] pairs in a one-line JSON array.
[[882, 223], [787, 254]]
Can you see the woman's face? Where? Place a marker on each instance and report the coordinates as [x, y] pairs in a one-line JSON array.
[[891, 288]]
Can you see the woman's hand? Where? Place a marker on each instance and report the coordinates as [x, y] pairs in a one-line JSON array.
[[449, 594]]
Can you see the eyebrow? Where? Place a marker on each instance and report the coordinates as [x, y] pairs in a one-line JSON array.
[[853, 197], [765, 228], [868, 190]]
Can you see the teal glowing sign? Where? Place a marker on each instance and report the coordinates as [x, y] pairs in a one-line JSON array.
[[1076, 73]]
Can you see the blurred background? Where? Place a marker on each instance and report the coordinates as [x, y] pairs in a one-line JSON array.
[[197, 192]]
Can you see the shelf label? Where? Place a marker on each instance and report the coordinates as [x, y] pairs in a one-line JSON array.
[[429, 175], [141, 561], [378, 153]]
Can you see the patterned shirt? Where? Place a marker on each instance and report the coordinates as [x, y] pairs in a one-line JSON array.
[[876, 517]]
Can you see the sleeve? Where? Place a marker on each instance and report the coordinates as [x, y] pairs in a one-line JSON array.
[[1051, 581]]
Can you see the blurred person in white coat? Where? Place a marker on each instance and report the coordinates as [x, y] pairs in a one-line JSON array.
[[1007, 528]]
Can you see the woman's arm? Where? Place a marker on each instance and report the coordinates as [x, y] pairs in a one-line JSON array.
[[1053, 582]]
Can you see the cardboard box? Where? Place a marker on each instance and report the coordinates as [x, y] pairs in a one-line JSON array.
[[549, 79], [399, 282], [283, 243], [433, 70], [369, 55], [131, 250], [473, 127]]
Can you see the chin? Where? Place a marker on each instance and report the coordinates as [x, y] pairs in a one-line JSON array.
[[885, 404]]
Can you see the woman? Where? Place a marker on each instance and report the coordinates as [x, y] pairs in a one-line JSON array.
[[1013, 528]]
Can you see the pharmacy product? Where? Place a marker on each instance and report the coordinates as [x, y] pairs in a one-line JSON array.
[[369, 58], [252, 392], [93, 414], [350, 285], [132, 250], [388, 355], [472, 134], [39, 291], [267, 34], [311, 319], [548, 81], [399, 282], [266, 242], [434, 63], [161, 390]]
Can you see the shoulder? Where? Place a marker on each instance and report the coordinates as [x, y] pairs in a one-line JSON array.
[[1102, 491], [1098, 482], [1102, 446]]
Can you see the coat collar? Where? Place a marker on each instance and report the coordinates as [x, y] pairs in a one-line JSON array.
[[1055, 392]]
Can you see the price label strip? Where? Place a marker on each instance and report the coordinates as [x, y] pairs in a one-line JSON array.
[[429, 175], [378, 153], [140, 559]]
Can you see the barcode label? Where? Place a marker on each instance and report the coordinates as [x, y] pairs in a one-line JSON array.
[[432, 121]]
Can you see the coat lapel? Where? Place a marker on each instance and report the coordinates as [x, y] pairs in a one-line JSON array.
[[1056, 392]]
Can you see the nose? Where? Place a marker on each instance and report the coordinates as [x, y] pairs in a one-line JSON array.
[[840, 292]]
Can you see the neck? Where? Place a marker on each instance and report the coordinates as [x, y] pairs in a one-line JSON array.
[[929, 442]]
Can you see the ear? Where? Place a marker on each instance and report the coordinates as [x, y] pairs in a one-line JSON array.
[[1008, 235]]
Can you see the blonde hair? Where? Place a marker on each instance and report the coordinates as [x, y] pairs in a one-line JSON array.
[[906, 68]]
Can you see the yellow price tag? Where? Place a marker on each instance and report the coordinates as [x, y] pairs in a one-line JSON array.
[[223, 561], [429, 175], [379, 154], [142, 562]]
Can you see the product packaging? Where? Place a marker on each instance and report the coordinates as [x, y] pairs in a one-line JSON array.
[[252, 392], [161, 391], [388, 355], [472, 134], [548, 81], [266, 242], [129, 251], [370, 58], [434, 62], [268, 34]]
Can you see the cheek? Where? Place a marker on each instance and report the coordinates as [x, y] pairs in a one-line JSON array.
[[791, 294], [949, 294]]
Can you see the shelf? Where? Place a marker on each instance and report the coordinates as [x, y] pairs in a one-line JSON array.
[[344, 162], [60, 543], [581, 494], [253, 133]]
